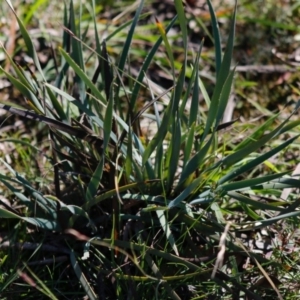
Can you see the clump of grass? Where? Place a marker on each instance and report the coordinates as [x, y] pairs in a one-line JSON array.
[[138, 215]]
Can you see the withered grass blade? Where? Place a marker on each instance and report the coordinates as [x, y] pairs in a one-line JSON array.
[[78, 133]]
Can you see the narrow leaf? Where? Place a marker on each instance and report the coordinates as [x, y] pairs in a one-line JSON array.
[[166, 228], [217, 37], [28, 41], [82, 279], [255, 162]]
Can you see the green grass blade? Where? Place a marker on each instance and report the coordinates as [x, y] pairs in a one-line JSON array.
[[224, 96], [255, 204], [76, 211], [188, 147], [149, 250], [39, 222], [24, 90], [193, 115], [186, 192], [159, 162], [252, 147], [92, 12], [183, 27], [223, 75], [29, 204], [128, 40], [83, 76], [162, 31], [195, 162], [42, 288], [206, 228], [93, 185], [249, 212], [128, 159], [23, 142], [28, 41], [280, 183], [248, 183], [159, 276], [76, 53], [108, 120], [255, 162], [159, 136], [106, 70], [33, 8], [270, 221], [146, 64], [291, 125], [174, 148], [66, 45], [166, 228], [177, 95], [120, 27], [57, 106], [19, 72], [218, 213], [48, 206], [257, 133], [217, 37], [226, 62], [170, 112], [81, 277], [204, 93]]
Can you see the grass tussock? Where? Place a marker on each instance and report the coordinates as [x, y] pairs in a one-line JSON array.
[[128, 169]]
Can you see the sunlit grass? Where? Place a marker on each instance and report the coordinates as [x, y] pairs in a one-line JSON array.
[[108, 209]]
